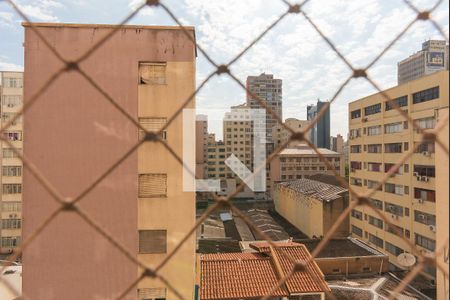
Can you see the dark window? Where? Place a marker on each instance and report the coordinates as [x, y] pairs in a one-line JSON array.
[[152, 241], [356, 230], [397, 230], [355, 165], [398, 102], [393, 148], [373, 109], [394, 209], [393, 249], [355, 149], [356, 114], [424, 218], [376, 241], [425, 195], [376, 222], [425, 242], [428, 171], [377, 203], [376, 148], [426, 95], [357, 214]]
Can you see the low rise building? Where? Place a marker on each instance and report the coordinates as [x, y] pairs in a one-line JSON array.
[[312, 206], [303, 161], [255, 275]]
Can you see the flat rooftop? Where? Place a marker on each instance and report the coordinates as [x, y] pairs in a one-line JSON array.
[[344, 247], [306, 151], [77, 25]]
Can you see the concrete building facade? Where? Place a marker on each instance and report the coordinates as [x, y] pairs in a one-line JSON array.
[[337, 144], [301, 162], [320, 133], [281, 135], [379, 137], [270, 89], [312, 206], [75, 135], [432, 58], [201, 148], [11, 95]]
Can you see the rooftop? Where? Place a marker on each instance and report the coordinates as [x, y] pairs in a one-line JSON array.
[[305, 150], [252, 275], [341, 247], [75, 25], [316, 189]]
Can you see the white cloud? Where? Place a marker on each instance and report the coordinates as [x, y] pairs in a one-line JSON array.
[[5, 66], [43, 10], [146, 11]]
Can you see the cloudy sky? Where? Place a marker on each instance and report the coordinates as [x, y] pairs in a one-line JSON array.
[[293, 51]]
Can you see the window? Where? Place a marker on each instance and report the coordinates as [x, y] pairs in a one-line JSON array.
[[11, 223], [394, 209], [356, 181], [152, 185], [424, 218], [11, 188], [426, 95], [371, 184], [12, 171], [425, 242], [376, 241], [355, 149], [152, 294], [12, 101], [398, 102], [11, 206], [13, 135], [373, 130], [389, 167], [152, 73], [355, 133], [356, 114], [356, 230], [425, 147], [428, 171], [374, 167], [9, 153], [425, 195], [377, 203], [152, 241], [153, 125], [393, 148], [6, 117], [394, 250], [376, 222], [355, 165], [394, 189], [375, 148], [357, 214], [393, 128], [11, 82], [426, 123], [397, 230], [373, 109], [11, 242]]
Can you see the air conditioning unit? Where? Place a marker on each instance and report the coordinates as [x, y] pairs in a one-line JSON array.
[[421, 201], [426, 153], [416, 174], [433, 228], [424, 178]]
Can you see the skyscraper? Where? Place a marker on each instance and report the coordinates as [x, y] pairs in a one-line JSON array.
[[11, 93], [75, 135], [270, 89], [320, 132]]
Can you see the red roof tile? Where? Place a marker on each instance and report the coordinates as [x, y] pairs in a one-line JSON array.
[[250, 275]]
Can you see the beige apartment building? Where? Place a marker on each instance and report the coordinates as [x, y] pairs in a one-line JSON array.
[[76, 135], [201, 148], [301, 162], [281, 135], [11, 95], [312, 206], [217, 154], [379, 137]]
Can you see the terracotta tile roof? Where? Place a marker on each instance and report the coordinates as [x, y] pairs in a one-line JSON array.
[[250, 275], [315, 189], [238, 275]]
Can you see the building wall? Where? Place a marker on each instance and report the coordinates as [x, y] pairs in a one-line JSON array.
[[353, 266], [217, 154], [11, 95], [75, 135], [442, 194], [406, 182], [320, 132], [201, 149], [285, 167], [281, 135], [311, 216]]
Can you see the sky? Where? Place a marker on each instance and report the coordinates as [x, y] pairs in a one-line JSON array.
[[292, 51]]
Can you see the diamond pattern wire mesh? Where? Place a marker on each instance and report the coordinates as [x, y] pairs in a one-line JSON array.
[[71, 205]]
